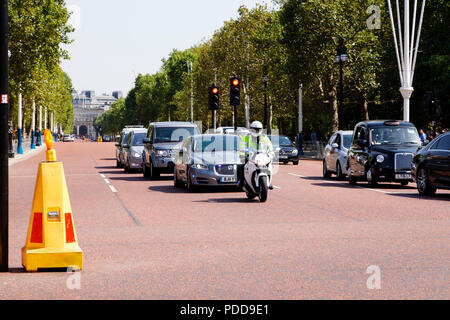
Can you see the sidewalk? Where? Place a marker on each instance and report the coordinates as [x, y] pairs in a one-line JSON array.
[[26, 155]]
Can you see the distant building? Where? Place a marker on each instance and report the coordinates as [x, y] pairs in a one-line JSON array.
[[87, 106]]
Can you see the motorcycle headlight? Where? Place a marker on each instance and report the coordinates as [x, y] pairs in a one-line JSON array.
[[380, 158], [137, 155], [162, 153], [200, 166]]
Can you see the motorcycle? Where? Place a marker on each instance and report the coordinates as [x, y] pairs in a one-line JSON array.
[[258, 176]]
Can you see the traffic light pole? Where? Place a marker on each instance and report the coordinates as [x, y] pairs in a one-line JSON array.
[[4, 117]]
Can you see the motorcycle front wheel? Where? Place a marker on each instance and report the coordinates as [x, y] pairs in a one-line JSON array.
[[264, 188]]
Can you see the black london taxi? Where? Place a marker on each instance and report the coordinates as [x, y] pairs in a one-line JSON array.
[[382, 151]]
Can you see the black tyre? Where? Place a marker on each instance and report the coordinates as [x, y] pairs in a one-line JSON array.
[[264, 188], [189, 185], [295, 163], [326, 173], [154, 173], [423, 183], [145, 171], [351, 179], [117, 163], [371, 178], [404, 183], [250, 195], [339, 174], [176, 182], [285, 162]]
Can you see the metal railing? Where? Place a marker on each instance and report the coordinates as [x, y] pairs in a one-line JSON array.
[[314, 149]]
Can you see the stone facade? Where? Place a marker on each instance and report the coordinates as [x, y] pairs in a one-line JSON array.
[[87, 106]]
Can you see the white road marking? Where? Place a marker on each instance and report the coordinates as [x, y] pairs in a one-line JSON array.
[[276, 187], [108, 183]]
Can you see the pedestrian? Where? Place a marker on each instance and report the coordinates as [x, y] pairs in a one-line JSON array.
[[423, 137]]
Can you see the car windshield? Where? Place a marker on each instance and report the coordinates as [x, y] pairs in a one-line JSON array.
[[394, 136], [173, 134], [137, 139], [125, 137], [347, 140], [215, 143]]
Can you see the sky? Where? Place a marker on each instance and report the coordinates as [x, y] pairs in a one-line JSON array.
[[115, 40]]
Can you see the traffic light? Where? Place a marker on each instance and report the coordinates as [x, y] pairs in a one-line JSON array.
[[432, 104], [235, 91], [214, 97]]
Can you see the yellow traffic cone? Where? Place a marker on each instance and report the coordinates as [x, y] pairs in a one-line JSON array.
[[51, 240]]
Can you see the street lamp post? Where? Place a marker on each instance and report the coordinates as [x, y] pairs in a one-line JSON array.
[[4, 117], [341, 57], [265, 80]]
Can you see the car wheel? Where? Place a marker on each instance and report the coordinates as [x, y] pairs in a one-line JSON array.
[[189, 185], [351, 179], [371, 179], [154, 173], [285, 162], [117, 164], [326, 173], [295, 163], [339, 174], [176, 182], [423, 183], [145, 171], [404, 183]]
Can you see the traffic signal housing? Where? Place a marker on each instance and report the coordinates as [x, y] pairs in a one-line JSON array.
[[235, 91], [214, 94]]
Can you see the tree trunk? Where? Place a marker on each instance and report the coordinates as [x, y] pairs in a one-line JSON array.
[[334, 116], [365, 108]]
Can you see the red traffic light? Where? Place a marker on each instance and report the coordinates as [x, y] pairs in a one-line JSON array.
[[235, 82], [215, 90]]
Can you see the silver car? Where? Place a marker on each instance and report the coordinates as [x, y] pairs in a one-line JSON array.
[[208, 160], [335, 158], [132, 155]]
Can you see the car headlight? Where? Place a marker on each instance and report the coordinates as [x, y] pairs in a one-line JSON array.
[[200, 166], [137, 155], [162, 153], [277, 149], [380, 158], [295, 152]]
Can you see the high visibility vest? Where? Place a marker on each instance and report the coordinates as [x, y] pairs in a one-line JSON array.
[[257, 145]]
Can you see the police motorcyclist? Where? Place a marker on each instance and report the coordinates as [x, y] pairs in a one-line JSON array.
[[255, 142]]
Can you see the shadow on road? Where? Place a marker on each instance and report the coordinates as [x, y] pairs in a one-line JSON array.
[[226, 200], [109, 159], [108, 167], [127, 178], [199, 190], [442, 197]]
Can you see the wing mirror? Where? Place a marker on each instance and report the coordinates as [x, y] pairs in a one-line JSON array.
[[361, 143]]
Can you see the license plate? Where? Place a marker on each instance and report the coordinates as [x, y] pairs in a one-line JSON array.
[[227, 179], [283, 157], [403, 176]]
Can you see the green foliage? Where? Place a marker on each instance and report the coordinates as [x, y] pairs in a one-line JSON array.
[[36, 31]]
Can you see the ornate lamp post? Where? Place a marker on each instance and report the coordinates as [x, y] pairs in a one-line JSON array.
[[341, 57], [406, 48]]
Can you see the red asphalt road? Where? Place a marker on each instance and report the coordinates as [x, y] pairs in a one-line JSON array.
[[313, 239]]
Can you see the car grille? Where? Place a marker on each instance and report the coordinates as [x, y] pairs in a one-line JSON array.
[[225, 169], [403, 162]]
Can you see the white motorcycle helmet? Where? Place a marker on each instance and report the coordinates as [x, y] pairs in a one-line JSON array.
[[256, 128]]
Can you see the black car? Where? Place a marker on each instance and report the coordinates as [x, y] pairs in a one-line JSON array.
[[382, 151], [285, 150], [431, 166]]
